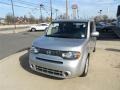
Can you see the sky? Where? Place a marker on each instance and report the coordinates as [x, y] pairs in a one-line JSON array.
[[87, 8]]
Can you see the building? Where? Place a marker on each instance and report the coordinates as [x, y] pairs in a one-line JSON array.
[[2, 20], [75, 11]]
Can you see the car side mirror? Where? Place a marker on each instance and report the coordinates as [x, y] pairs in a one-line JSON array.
[[95, 34]]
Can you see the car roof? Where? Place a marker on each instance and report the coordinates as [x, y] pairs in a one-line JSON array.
[[75, 20]]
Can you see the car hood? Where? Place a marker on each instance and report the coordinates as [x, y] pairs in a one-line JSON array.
[[63, 44]]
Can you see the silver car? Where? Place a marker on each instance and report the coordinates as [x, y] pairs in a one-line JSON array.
[[65, 49]]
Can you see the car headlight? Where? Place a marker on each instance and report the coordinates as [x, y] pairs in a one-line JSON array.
[[34, 50], [71, 55]]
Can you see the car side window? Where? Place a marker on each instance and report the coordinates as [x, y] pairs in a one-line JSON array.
[[43, 25]]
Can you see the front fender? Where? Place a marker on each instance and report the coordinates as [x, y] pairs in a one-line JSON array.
[[85, 55]]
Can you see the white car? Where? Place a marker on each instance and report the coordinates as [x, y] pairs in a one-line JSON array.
[[39, 27]]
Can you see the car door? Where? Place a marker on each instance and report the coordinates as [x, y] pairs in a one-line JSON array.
[[38, 27], [44, 26]]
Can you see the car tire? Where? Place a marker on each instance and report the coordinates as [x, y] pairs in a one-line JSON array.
[[85, 72], [94, 49], [33, 29]]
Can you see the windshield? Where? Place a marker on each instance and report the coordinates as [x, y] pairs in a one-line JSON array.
[[42, 25], [68, 30]]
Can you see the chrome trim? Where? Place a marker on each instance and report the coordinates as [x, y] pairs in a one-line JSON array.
[[51, 72]]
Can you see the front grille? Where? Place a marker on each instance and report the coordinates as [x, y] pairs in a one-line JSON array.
[[49, 71], [51, 61], [50, 52]]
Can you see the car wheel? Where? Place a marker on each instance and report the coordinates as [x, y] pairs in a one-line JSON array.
[[94, 49], [86, 68], [33, 30]]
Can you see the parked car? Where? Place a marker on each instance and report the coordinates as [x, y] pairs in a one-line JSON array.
[[104, 27], [39, 27], [100, 27], [118, 17], [64, 51]]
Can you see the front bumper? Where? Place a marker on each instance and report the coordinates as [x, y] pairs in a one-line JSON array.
[[55, 66]]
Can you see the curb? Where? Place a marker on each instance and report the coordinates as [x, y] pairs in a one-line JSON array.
[[6, 58], [19, 51]]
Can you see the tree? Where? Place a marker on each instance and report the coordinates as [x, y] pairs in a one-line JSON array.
[[25, 19], [47, 19], [9, 19], [105, 17], [101, 18], [32, 19], [62, 16]]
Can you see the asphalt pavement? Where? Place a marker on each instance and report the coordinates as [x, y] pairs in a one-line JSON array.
[[12, 43], [10, 29]]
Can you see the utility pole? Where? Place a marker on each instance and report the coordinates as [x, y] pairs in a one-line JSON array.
[[66, 9], [13, 16], [41, 6], [78, 13], [51, 10], [56, 12]]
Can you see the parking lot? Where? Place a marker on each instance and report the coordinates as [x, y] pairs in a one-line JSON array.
[[104, 74], [104, 71]]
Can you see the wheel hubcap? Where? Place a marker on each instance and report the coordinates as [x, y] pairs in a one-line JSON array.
[[33, 29]]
